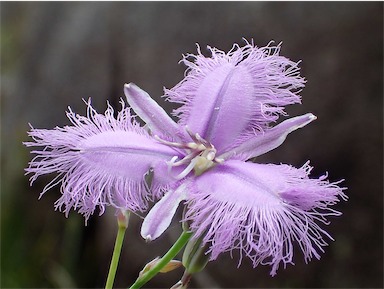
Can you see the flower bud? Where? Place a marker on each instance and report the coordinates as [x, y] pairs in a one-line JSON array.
[[195, 257], [172, 265]]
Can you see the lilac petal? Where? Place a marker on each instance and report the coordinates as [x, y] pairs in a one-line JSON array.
[[269, 140], [150, 112], [262, 210], [160, 216], [229, 95], [101, 160]]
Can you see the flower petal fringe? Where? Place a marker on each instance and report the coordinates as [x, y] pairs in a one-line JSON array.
[[262, 210], [100, 160], [229, 95]]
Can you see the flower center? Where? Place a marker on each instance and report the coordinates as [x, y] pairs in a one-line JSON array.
[[200, 155]]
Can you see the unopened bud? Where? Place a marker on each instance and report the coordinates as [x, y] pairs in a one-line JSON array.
[[172, 265], [195, 258]]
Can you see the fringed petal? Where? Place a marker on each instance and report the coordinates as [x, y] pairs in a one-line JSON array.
[[101, 160], [268, 140], [262, 210], [229, 95]]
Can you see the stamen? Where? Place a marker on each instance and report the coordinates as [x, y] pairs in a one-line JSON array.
[[200, 155], [196, 146], [190, 133], [171, 163], [218, 160], [201, 140], [197, 138], [188, 169], [211, 155], [186, 159], [171, 144]]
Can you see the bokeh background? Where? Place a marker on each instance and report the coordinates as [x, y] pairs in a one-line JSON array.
[[53, 54]]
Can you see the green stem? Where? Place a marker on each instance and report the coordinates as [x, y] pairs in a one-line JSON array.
[[176, 248], [122, 221]]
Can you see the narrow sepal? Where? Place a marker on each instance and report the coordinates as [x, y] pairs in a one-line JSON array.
[[160, 216], [151, 112], [264, 142]]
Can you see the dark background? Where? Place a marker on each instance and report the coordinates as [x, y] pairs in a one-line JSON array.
[[55, 54]]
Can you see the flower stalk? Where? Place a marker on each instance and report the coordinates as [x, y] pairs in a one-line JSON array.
[[122, 222]]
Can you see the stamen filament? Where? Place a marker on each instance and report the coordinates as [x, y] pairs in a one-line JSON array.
[[186, 159], [188, 169], [171, 163], [171, 144]]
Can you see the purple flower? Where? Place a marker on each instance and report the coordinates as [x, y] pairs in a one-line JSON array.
[[229, 101]]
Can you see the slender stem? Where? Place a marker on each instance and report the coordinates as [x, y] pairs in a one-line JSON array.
[[122, 221], [176, 248]]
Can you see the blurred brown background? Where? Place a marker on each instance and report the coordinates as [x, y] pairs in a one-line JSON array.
[[53, 54]]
